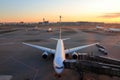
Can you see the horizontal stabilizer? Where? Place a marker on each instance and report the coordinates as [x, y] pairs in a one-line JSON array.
[[54, 38], [58, 39], [65, 38]]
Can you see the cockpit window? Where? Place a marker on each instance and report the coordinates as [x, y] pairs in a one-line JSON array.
[[59, 67]]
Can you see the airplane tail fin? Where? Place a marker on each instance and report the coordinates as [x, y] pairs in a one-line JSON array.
[[60, 32]]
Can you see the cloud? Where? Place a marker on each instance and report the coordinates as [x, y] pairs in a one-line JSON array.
[[110, 15]]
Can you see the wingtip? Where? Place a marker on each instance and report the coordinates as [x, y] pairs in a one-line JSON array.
[[97, 43], [22, 42]]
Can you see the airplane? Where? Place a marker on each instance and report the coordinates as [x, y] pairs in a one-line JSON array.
[[49, 30], [108, 29], [99, 28], [113, 30], [59, 53]]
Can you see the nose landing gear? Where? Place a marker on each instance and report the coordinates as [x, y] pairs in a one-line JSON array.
[[57, 75]]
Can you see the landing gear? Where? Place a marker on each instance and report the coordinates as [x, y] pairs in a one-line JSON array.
[[57, 75], [52, 55], [81, 75]]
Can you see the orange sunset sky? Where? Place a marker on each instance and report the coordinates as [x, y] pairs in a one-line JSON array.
[[71, 10]]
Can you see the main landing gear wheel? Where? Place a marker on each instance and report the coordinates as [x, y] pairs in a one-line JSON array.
[[81, 75], [57, 75]]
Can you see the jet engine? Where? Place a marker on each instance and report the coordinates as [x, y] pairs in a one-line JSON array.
[[44, 55], [74, 55], [102, 49], [66, 55]]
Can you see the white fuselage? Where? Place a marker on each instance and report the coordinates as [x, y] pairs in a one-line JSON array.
[[114, 29], [59, 57]]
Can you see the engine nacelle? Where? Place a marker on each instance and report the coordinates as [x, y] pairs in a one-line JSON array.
[[74, 55], [103, 51], [44, 55], [100, 46], [66, 55]]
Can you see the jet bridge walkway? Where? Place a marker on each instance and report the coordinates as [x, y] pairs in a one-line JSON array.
[[95, 64], [102, 59]]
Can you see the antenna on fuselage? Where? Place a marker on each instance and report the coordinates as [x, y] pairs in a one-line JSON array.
[[60, 27]]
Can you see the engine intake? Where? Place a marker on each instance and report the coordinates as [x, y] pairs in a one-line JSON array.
[[74, 55], [45, 55]]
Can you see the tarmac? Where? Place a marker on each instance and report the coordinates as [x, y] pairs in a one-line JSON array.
[[21, 62]]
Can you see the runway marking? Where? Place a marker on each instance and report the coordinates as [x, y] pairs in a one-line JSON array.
[[23, 63], [36, 73], [36, 70], [4, 61], [7, 43], [5, 77]]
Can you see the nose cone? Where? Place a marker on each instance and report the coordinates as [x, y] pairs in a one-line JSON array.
[[58, 71]]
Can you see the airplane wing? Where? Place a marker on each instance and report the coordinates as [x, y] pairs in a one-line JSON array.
[[67, 51], [41, 48]]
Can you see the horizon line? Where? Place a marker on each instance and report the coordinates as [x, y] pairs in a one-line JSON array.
[[52, 21]]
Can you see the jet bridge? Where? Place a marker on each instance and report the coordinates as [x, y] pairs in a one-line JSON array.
[[95, 64], [103, 59]]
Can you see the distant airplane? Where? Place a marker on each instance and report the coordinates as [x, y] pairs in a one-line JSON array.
[[113, 29], [49, 30], [108, 29], [36, 28], [99, 28], [59, 53]]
